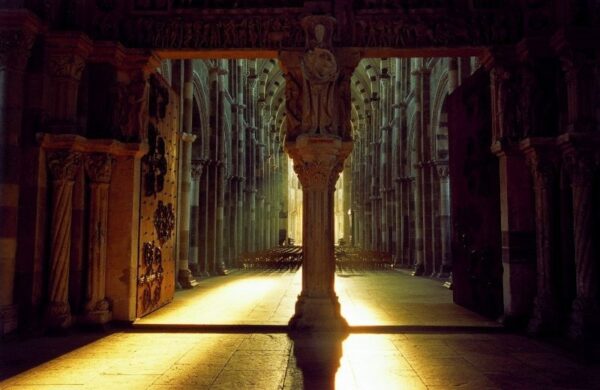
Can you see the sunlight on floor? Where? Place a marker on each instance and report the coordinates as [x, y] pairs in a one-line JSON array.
[[357, 312]]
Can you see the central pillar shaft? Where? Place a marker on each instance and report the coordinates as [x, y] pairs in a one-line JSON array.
[[318, 161]]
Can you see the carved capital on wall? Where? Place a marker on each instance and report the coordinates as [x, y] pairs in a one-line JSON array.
[[67, 65], [581, 157], [98, 167], [442, 168], [198, 168], [15, 49], [63, 165], [541, 158]]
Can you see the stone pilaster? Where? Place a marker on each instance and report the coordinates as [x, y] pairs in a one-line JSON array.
[[517, 224], [17, 34], [98, 167], [540, 155], [580, 156], [63, 166]]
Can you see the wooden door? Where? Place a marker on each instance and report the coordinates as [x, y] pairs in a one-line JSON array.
[[158, 201], [475, 199]]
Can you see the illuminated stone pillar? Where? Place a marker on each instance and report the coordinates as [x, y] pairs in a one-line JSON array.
[[318, 161], [98, 167], [318, 140], [185, 275], [63, 166]]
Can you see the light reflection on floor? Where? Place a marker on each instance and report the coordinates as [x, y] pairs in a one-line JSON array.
[[278, 361], [268, 298]]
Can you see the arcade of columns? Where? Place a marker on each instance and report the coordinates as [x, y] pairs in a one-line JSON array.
[[71, 164], [400, 199], [237, 174]]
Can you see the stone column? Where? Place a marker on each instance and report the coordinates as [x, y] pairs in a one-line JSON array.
[[185, 275], [203, 222], [517, 222], [420, 180], [579, 60], [194, 257], [17, 33], [318, 161], [580, 155], [444, 207], [63, 166], [98, 167], [540, 159]]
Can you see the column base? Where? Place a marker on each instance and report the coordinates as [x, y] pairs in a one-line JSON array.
[[584, 319], [97, 314], [544, 318], [418, 270], [58, 316], [8, 319], [194, 269], [318, 314], [185, 279]]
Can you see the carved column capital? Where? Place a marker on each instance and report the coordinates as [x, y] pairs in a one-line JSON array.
[[63, 164], [442, 168], [540, 157], [17, 35], [66, 54], [98, 167], [188, 137], [15, 48], [581, 157], [318, 160], [197, 168]]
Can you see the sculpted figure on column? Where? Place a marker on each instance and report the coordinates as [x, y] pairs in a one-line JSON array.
[[320, 72]]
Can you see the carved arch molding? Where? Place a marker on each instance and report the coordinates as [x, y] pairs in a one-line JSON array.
[[273, 25]]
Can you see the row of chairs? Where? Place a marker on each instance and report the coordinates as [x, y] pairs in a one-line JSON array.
[[349, 258], [290, 258], [281, 258]]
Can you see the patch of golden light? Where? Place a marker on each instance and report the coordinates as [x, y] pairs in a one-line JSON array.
[[132, 361], [355, 311], [373, 362], [242, 301]]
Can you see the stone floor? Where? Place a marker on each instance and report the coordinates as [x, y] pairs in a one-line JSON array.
[[374, 298], [418, 358]]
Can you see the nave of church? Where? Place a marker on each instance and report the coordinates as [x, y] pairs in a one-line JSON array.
[[334, 155]]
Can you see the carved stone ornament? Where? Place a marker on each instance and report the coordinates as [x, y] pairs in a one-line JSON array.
[[320, 72], [63, 164], [543, 169], [164, 221], [316, 175], [98, 167], [66, 65]]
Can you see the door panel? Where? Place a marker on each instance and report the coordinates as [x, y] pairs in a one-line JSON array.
[[475, 199], [156, 264]]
